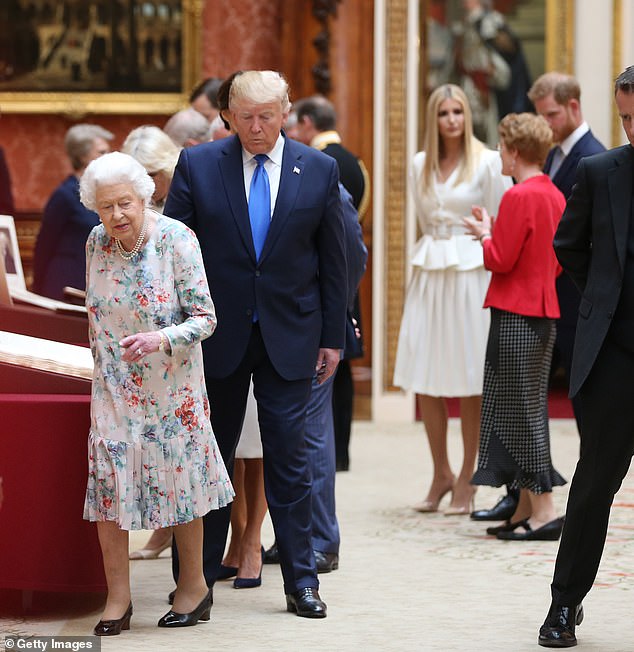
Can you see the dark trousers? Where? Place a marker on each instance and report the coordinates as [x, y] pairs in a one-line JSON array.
[[607, 445], [287, 481], [342, 404]]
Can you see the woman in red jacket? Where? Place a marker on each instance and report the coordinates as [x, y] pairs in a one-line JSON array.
[[517, 248]]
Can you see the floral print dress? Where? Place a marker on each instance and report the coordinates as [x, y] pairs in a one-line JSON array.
[[153, 457]]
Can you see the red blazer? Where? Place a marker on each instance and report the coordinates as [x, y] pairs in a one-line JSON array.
[[520, 252]]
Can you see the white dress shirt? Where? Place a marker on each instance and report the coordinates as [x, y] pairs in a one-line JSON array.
[[273, 168]]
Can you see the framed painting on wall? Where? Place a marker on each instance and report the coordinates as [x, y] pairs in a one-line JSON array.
[[493, 49], [98, 56], [10, 253]]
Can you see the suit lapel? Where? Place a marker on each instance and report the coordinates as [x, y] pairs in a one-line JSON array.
[[232, 171], [290, 180], [620, 196]]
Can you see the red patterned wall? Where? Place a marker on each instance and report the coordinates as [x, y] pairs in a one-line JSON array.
[[237, 34]]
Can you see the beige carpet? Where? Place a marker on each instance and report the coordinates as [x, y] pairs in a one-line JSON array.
[[407, 581]]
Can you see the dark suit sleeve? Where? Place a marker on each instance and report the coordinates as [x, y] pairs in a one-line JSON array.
[[179, 203], [356, 252], [573, 239], [54, 220], [332, 267]]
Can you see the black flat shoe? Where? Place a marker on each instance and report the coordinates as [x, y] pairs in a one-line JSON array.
[[114, 627], [201, 612], [306, 603], [558, 629], [226, 572], [549, 532], [326, 561], [505, 527], [501, 511], [170, 597]]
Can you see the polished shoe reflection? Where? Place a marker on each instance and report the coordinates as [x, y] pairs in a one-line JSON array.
[[114, 627], [501, 511], [558, 629], [201, 612], [306, 603], [549, 532], [326, 561]]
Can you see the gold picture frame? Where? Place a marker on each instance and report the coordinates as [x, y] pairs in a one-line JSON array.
[[76, 103]]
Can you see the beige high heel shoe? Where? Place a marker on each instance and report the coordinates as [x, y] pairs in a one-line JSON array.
[[462, 510], [430, 506], [151, 553]]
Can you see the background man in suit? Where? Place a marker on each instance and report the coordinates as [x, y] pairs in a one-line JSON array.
[[316, 122], [595, 245], [557, 97], [280, 296]]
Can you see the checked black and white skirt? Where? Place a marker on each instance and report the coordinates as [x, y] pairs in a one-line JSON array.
[[514, 434]]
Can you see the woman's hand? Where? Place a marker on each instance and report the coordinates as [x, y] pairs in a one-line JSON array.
[[137, 346], [480, 224]]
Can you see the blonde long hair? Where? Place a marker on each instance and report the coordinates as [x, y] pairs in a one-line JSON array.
[[432, 145]]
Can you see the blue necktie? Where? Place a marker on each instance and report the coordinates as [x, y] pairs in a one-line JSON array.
[[260, 204]]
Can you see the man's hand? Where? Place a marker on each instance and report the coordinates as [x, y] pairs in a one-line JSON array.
[[327, 362]]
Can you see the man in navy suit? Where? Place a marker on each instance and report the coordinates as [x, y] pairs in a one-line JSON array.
[[594, 243], [557, 97], [281, 311]]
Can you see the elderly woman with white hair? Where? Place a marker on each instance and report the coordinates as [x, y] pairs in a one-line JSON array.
[[153, 458]]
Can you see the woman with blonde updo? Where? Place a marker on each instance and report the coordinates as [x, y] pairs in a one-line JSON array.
[[158, 154], [518, 250]]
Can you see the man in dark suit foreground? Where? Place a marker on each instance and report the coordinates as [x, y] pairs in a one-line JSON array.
[[595, 245], [280, 297]]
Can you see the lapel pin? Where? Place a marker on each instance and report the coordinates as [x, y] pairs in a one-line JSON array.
[[295, 170]]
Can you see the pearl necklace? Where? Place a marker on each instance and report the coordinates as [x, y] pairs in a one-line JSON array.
[[129, 255]]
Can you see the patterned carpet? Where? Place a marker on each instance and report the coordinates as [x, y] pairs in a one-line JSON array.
[[407, 581]]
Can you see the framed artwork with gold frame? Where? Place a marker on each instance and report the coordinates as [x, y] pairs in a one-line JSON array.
[[543, 27], [98, 56]]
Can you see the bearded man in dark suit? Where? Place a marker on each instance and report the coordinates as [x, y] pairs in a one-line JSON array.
[[595, 245], [280, 297]]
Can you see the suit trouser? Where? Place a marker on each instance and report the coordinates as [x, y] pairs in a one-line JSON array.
[[569, 298], [342, 406], [320, 440], [607, 445], [287, 481]]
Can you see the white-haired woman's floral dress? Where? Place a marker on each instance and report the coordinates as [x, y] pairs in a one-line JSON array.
[[153, 457]]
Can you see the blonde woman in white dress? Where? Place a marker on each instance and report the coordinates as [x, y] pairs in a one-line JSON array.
[[444, 330]]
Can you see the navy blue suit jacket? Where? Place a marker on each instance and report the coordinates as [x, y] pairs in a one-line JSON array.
[[564, 179], [60, 250], [298, 285]]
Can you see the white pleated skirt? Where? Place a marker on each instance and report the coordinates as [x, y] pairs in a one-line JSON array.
[[443, 335]]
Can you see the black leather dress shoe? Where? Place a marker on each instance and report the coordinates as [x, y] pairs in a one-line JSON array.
[[170, 597], [524, 532], [272, 555], [306, 603], [201, 612], [558, 629], [326, 561], [501, 511]]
